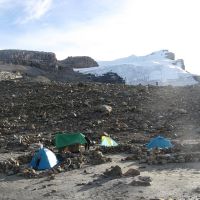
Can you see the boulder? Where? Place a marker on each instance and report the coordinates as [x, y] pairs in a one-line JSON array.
[[104, 109], [132, 172], [97, 157], [115, 171], [141, 181]]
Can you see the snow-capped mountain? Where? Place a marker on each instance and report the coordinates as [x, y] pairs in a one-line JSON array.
[[156, 68]]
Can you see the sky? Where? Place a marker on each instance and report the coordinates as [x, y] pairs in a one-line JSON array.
[[103, 29]]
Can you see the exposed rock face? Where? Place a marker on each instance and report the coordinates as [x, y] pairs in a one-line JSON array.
[[42, 60], [197, 78], [109, 77], [169, 55], [180, 63], [77, 62]]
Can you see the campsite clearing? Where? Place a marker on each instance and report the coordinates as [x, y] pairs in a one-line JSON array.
[[168, 181]]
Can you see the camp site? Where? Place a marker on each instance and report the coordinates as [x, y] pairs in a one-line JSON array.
[[99, 100], [95, 141], [74, 156], [74, 128]]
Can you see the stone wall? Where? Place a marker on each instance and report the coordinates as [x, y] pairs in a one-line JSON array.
[[43, 60]]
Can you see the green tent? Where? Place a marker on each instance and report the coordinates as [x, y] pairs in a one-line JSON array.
[[66, 139]]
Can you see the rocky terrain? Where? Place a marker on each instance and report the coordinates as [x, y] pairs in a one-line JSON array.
[[37, 101], [33, 112], [42, 66], [28, 107], [128, 113], [44, 60]]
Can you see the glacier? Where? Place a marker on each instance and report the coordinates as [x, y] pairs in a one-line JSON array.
[[157, 68]]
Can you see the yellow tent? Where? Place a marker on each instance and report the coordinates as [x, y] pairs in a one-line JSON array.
[[107, 141]]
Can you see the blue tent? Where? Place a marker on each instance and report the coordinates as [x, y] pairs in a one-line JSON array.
[[43, 159], [159, 142]]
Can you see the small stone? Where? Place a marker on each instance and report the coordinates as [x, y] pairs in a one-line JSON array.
[[197, 190], [145, 178], [140, 183], [9, 173], [182, 111], [47, 195], [104, 109], [124, 103]]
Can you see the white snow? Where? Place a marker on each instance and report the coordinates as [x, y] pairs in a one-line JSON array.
[[156, 67]]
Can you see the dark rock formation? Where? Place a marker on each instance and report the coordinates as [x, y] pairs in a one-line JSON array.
[[114, 172], [77, 62], [197, 78], [180, 63], [43, 60], [169, 55], [109, 77]]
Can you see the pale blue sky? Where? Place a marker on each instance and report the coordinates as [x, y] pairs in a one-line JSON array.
[[103, 29]]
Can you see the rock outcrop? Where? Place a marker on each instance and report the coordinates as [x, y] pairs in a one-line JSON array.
[[180, 63], [77, 62], [164, 53], [169, 55], [43, 60], [109, 77]]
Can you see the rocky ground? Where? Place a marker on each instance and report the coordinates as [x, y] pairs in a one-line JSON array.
[[122, 111], [31, 112], [162, 182]]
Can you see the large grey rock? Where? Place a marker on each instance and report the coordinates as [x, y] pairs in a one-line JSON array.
[[115, 171], [104, 109], [132, 172]]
